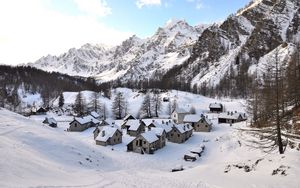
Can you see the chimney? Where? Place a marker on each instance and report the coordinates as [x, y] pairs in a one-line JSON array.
[[153, 120], [231, 113], [235, 111], [184, 127], [103, 133], [188, 126], [149, 128], [163, 122], [167, 123], [228, 113]]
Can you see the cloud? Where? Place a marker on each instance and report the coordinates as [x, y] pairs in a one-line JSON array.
[[94, 7], [142, 3], [30, 30], [198, 3]]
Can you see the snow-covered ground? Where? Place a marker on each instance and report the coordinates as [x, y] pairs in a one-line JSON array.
[[35, 155]]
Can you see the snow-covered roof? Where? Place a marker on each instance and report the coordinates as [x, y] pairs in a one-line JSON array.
[[128, 116], [164, 126], [87, 119], [106, 133], [50, 121], [229, 115], [182, 128], [192, 118], [158, 131], [215, 105], [133, 124], [95, 114], [150, 136]]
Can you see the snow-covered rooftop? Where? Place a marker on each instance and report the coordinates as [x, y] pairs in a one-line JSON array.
[[150, 136], [192, 118], [231, 115], [215, 105], [87, 119], [106, 133], [133, 124], [158, 131], [182, 128]]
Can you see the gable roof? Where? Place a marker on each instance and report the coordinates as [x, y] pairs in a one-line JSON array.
[[192, 118], [134, 125], [182, 128], [86, 119], [128, 117], [150, 136], [236, 115], [106, 133], [164, 126], [158, 131], [50, 121], [215, 105]]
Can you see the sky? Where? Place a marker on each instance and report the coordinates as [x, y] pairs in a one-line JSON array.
[[30, 29]]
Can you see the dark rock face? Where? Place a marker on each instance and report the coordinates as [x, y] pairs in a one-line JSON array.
[[252, 33]]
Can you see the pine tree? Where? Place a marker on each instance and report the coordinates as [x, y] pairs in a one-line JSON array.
[[95, 102], [61, 100], [79, 104], [146, 108], [118, 106]]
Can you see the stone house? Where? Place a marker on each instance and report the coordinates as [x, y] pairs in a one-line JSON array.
[[231, 117], [166, 125], [146, 142], [162, 136], [178, 115], [180, 133], [83, 123], [216, 107], [109, 136], [135, 127], [199, 122]]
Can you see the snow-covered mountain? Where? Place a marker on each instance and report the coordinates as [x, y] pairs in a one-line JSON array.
[[203, 54], [251, 36], [134, 59]]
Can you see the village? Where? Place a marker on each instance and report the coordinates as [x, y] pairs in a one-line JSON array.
[[146, 136]]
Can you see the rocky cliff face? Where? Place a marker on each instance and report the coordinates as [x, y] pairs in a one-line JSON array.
[[248, 36]]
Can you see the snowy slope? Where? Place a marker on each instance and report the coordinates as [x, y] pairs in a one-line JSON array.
[[33, 155]]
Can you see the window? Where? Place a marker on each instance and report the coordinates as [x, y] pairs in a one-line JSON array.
[[144, 142], [178, 135], [75, 124], [114, 140], [137, 143], [172, 134]]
